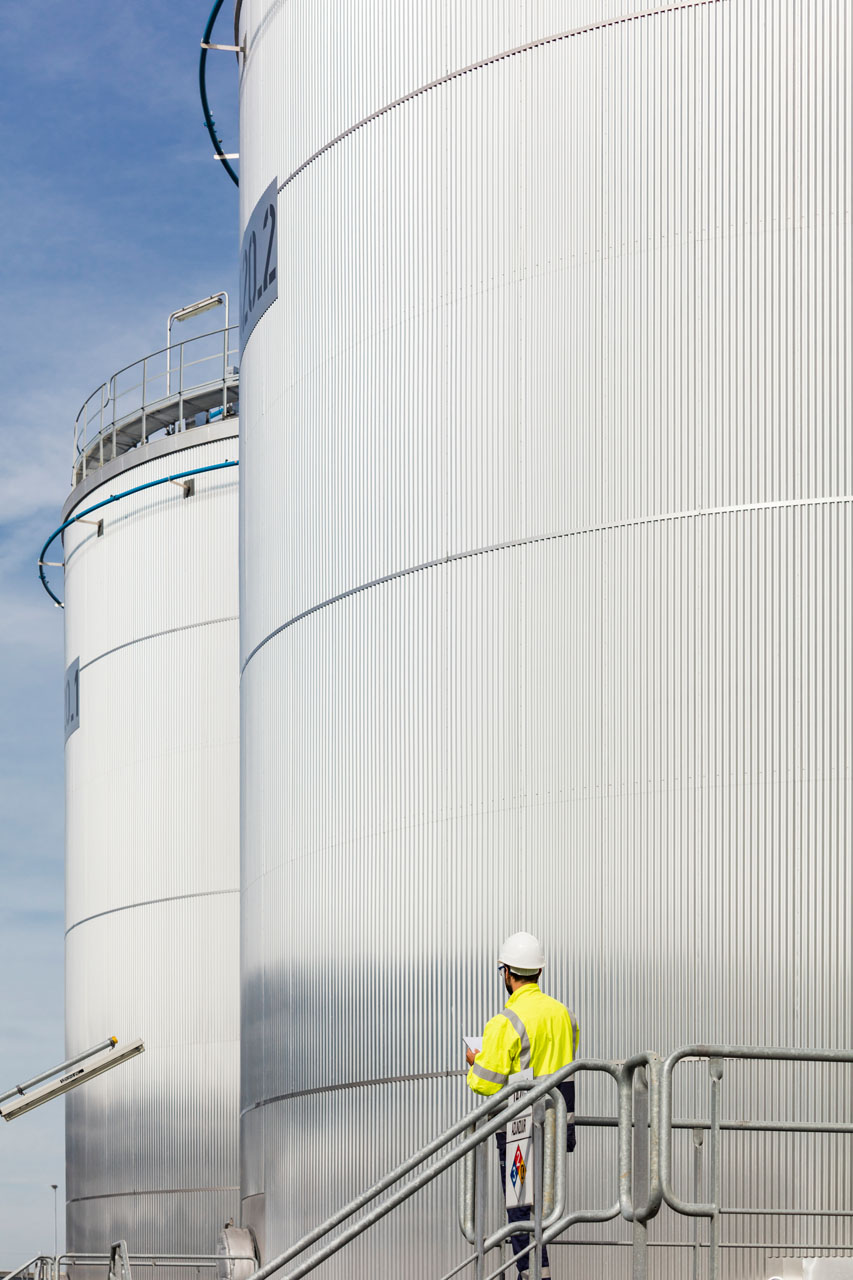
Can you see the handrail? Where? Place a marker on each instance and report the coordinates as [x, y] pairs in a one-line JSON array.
[[470, 1184], [122, 415], [645, 1124], [206, 1261], [395, 1175], [106, 502], [507, 1109], [720, 1052], [161, 351], [22, 1270], [178, 1260], [716, 1055]]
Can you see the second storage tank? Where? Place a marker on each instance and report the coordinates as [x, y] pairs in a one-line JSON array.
[[152, 747]]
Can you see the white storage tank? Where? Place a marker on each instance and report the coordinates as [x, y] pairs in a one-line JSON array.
[[152, 763], [546, 605]]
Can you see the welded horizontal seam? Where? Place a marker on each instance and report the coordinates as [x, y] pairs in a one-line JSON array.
[[601, 794], [154, 1191], [157, 635], [149, 902], [352, 1084], [666, 518], [494, 58]]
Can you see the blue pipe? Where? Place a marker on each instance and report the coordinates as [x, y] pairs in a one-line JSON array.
[[150, 484], [209, 122]]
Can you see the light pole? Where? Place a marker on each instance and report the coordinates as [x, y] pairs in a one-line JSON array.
[[186, 313], [53, 1187]]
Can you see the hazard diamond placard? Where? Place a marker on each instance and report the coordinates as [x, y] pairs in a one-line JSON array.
[[519, 1154]]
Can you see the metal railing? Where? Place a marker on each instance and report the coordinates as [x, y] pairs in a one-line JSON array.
[[41, 1267], [644, 1182], [487, 1119], [45, 1267], [163, 392], [716, 1055], [179, 1261], [549, 1178]]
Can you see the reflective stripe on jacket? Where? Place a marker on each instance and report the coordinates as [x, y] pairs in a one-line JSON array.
[[533, 1030]]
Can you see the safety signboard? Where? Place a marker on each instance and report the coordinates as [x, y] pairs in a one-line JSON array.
[[519, 1153]]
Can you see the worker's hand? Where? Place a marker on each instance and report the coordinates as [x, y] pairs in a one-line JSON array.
[[470, 1055]]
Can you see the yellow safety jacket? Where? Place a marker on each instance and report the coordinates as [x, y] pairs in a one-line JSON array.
[[533, 1030]]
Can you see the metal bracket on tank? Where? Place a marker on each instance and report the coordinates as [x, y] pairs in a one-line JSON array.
[[188, 486], [209, 123], [99, 525]]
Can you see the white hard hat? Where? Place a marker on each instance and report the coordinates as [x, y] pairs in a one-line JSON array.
[[522, 954]]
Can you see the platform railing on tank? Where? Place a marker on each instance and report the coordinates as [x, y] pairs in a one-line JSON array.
[[644, 1181], [164, 393]]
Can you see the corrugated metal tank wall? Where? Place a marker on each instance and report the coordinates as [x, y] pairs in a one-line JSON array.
[[546, 548], [152, 895]]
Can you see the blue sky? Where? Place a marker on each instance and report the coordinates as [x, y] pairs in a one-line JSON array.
[[113, 213]]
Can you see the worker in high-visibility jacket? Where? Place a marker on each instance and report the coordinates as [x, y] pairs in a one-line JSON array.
[[535, 1031]]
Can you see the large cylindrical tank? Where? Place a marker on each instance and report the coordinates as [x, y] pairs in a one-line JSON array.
[[152, 767], [546, 537]]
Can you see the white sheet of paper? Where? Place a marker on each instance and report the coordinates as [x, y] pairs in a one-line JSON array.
[[474, 1043]]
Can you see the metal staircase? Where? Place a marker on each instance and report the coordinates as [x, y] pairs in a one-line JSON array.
[[643, 1180]]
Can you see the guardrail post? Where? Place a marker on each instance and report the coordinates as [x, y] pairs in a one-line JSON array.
[[640, 1175], [715, 1068], [480, 1209], [698, 1139], [538, 1187], [112, 396], [224, 371], [467, 1183], [101, 430], [181, 391], [144, 396], [549, 1160]]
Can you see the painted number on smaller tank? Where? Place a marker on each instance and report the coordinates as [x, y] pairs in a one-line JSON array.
[[259, 262], [72, 698]]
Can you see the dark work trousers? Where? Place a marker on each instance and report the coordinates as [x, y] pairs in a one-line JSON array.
[[520, 1214]]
